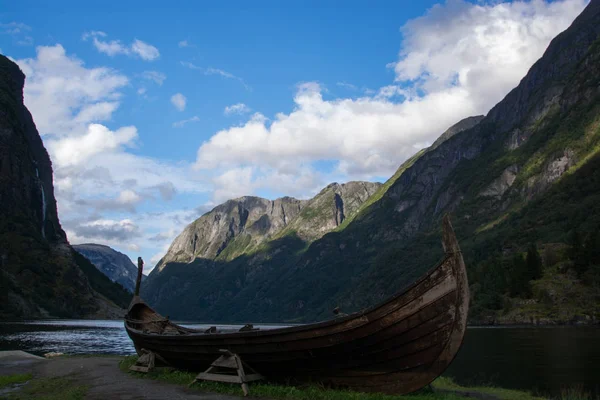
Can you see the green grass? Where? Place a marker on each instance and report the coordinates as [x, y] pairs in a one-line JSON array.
[[441, 388], [8, 380], [62, 388], [443, 383]]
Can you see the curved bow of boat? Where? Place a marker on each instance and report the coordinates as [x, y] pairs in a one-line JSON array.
[[397, 346]]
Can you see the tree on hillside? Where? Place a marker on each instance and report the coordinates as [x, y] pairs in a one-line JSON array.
[[534, 263], [518, 277]]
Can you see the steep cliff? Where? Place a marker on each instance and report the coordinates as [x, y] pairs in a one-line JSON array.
[[238, 226], [40, 275], [523, 176], [115, 265]]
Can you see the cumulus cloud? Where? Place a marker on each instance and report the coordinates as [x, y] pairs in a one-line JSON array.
[[185, 43], [183, 122], [485, 49], [98, 139], [103, 230], [99, 184], [239, 108], [216, 71], [144, 50], [112, 48], [179, 101], [456, 61], [242, 181], [64, 95]]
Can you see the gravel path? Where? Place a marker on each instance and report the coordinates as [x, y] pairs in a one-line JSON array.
[[104, 377]]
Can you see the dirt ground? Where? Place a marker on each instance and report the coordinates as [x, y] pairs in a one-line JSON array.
[[104, 377]]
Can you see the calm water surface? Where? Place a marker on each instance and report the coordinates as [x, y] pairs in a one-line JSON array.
[[545, 360]]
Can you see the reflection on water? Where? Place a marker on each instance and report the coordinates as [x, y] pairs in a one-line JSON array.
[[78, 336], [66, 336], [542, 359]]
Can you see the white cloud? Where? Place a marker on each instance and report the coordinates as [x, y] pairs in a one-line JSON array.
[[103, 231], [179, 101], [216, 71], [64, 95], [484, 52], [182, 123], [114, 47], [485, 49], [184, 43], [239, 108], [98, 183], [129, 197], [346, 85], [154, 76], [98, 139], [144, 50], [14, 28]]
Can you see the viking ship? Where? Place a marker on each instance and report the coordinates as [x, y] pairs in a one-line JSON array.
[[397, 346]]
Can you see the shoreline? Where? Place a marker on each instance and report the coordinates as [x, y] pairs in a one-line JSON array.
[[476, 324], [109, 376]]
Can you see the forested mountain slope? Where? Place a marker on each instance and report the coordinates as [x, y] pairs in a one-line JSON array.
[[521, 182]]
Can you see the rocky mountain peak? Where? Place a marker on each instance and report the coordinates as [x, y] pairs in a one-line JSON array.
[[117, 266], [240, 225]]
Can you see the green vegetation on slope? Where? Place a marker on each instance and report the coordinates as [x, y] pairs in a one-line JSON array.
[[382, 190], [544, 173], [101, 283]]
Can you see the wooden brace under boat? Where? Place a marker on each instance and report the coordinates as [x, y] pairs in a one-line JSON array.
[[397, 346]]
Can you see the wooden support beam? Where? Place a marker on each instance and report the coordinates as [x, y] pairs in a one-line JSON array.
[[229, 368]]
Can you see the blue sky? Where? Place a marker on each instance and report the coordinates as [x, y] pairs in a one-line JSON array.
[[153, 115]]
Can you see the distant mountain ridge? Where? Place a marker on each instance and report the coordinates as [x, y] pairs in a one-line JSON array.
[[112, 263], [40, 274], [240, 225], [526, 176]]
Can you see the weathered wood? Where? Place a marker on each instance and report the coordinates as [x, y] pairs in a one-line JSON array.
[[207, 376], [253, 377], [222, 369], [397, 346], [225, 362], [138, 280]]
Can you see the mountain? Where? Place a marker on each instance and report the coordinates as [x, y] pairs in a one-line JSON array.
[[41, 275], [240, 225], [115, 265], [522, 186]]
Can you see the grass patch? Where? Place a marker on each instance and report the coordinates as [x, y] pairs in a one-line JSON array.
[[8, 380], [444, 383], [313, 392], [443, 388], [61, 388]]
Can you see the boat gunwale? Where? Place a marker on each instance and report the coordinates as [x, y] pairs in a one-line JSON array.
[[298, 328]]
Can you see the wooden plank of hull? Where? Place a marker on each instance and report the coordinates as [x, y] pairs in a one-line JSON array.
[[396, 347], [259, 345], [434, 316], [414, 294]]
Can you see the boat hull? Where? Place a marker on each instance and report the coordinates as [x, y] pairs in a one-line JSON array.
[[398, 346]]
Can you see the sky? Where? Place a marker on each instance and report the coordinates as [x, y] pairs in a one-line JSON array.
[[152, 115]]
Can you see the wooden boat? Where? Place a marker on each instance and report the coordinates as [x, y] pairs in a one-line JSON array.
[[398, 346]]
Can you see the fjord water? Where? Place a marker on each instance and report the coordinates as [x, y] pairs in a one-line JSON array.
[[543, 360]]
